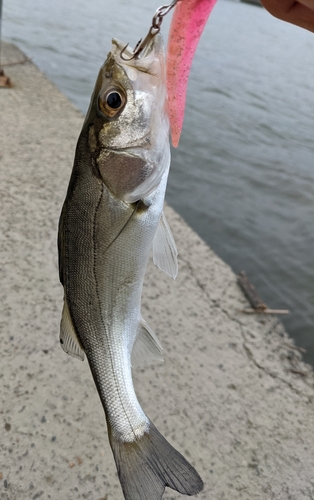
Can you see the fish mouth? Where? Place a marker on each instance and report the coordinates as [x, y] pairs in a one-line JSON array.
[[144, 61]]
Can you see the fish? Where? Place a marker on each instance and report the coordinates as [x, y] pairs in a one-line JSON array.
[[111, 218], [187, 24]]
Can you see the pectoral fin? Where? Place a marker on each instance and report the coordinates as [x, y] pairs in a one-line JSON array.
[[147, 347], [68, 338], [164, 249]]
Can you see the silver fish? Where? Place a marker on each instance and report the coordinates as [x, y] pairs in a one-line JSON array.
[[111, 218]]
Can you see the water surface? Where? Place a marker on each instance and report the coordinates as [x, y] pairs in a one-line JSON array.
[[243, 175]]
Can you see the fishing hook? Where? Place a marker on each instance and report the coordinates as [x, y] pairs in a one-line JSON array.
[[152, 32]]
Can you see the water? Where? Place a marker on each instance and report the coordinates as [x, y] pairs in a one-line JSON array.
[[243, 175]]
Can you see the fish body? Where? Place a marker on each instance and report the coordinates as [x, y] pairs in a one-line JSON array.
[[111, 218]]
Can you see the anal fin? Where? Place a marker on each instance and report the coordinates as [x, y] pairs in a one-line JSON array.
[[68, 338], [147, 347]]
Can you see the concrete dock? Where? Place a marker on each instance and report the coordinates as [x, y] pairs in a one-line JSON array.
[[233, 394]]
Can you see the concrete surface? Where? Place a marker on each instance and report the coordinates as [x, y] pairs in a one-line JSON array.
[[232, 394]]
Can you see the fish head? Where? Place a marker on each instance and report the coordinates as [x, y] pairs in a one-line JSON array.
[[127, 122]]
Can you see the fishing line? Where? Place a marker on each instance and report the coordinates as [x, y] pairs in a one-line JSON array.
[[143, 44]]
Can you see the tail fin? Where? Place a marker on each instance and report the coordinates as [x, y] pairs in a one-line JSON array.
[[146, 466]]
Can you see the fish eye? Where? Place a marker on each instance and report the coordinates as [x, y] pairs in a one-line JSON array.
[[111, 101], [114, 100]]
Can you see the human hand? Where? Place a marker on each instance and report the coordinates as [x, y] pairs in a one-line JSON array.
[[300, 13]]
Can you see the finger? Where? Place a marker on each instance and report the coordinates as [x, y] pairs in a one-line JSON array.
[[301, 14]]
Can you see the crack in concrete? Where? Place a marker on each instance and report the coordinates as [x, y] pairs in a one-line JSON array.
[[251, 357], [250, 354], [246, 349]]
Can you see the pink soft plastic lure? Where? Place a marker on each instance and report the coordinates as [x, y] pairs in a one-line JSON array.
[[187, 25]]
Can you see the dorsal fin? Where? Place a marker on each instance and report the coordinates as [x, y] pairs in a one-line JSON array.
[[147, 347], [68, 338], [164, 249]]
